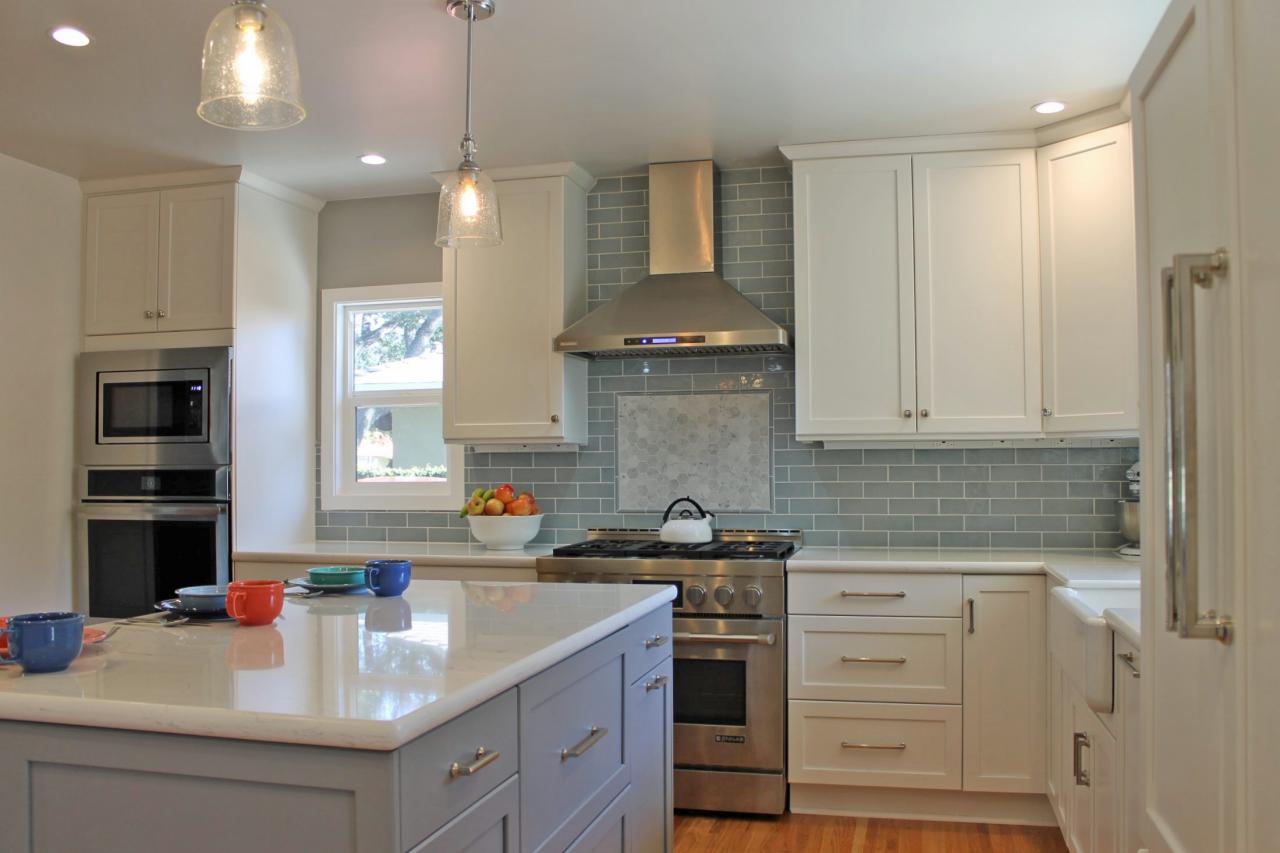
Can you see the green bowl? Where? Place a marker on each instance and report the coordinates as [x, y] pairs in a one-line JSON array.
[[336, 575]]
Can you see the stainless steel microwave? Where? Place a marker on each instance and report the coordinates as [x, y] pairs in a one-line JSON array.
[[155, 407]]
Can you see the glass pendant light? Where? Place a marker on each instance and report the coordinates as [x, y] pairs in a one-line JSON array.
[[249, 72], [468, 213]]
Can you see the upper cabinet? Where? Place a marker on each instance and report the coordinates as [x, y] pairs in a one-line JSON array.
[[160, 260], [924, 305], [1089, 283], [502, 307]]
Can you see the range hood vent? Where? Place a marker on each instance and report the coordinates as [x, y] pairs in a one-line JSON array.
[[682, 308]]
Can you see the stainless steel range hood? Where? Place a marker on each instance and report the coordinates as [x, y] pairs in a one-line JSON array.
[[682, 308]]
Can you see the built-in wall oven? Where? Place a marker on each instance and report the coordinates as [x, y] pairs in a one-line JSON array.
[[729, 646], [154, 478]]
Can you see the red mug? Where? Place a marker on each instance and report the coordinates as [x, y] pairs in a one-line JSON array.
[[255, 602]]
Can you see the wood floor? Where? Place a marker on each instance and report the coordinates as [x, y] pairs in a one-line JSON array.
[[708, 833]]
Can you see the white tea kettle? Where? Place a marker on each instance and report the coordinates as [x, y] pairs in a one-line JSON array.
[[686, 528]]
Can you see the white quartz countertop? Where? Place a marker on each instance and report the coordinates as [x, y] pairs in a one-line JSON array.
[[345, 671], [418, 553], [1076, 569]]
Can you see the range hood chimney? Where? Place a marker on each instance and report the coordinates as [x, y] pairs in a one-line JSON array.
[[682, 308]]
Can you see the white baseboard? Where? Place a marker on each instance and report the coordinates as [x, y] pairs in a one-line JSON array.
[[911, 804]]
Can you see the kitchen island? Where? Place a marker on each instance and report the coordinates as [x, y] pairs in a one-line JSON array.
[[537, 716]]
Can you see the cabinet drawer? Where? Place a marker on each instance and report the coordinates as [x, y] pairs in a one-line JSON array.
[[490, 826], [866, 743], [871, 594], [648, 642], [875, 659], [430, 795], [568, 773], [608, 833]]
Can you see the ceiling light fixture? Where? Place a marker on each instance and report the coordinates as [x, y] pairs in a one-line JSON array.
[[249, 71], [1049, 107], [69, 36], [468, 199], [372, 159]]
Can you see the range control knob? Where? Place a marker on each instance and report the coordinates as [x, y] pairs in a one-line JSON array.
[[753, 595], [696, 594], [724, 595]]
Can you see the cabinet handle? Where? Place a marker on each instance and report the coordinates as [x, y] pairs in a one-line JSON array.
[[1079, 740], [483, 759], [162, 313], [1182, 569], [844, 593], [659, 682], [844, 744], [555, 419], [844, 659], [725, 639], [1131, 662], [655, 641], [906, 413], [1046, 412], [580, 748], [973, 619], [149, 314], [924, 413]]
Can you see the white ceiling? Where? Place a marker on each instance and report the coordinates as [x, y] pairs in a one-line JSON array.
[[611, 84]]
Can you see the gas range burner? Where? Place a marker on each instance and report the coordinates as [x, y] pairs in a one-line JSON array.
[[655, 549]]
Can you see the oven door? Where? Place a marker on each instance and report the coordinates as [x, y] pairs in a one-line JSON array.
[[729, 693], [129, 556]]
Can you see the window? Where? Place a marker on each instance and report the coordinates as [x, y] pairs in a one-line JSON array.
[[382, 445]]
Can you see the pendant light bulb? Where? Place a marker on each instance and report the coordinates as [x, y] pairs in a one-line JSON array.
[[249, 71], [468, 215]]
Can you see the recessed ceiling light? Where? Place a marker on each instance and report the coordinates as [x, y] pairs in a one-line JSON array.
[[372, 159], [69, 36], [1049, 107]]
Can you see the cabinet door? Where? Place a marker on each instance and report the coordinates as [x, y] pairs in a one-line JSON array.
[[650, 826], [121, 263], [492, 825], [1088, 283], [502, 307], [1004, 683], [197, 258], [1080, 832], [609, 833], [977, 292], [1129, 712], [855, 298], [1057, 775]]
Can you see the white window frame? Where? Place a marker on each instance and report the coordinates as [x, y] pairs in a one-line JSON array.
[[339, 489]]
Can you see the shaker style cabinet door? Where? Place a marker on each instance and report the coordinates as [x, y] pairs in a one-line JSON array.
[[1088, 283], [197, 258], [490, 826], [855, 298], [977, 292], [121, 263]]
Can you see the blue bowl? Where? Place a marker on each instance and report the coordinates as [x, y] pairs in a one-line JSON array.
[[206, 599]]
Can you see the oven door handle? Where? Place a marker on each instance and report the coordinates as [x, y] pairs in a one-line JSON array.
[[146, 511], [725, 639]]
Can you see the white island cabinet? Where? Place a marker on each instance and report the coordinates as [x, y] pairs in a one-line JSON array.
[[464, 716]]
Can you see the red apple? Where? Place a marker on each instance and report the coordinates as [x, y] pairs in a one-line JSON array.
[[505, 493], [520, 506], [528, 496], [493, 506]]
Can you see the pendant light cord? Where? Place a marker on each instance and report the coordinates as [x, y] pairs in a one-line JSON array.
[[468, 141]]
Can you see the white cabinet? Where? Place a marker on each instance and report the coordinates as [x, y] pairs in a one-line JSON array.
[[977, 292], [160, 261], [1004, 683], [1128, 714], [1094, 783], [502, 307], [855, 297], [1089, 283], [917, 296]]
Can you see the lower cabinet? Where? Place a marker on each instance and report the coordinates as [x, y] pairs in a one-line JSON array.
[[650, 711], [609, 833], [490, 826]]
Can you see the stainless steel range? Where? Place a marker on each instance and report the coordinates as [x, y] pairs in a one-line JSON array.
[[730, 653]]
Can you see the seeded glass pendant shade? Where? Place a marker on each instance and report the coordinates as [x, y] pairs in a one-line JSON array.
[[249, 72], [468, 215]]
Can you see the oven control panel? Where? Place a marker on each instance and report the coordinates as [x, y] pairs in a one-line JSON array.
[[737, 595]]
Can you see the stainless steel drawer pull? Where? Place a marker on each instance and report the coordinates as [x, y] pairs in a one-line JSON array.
[[1079, 740], [844, 744], [1131, 662], [655, 641], [844, 593], [483, 759], [844, 659], [658, 683], [732, 639], [580, 748]]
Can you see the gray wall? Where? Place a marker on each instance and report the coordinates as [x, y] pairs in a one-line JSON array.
[[368, 241], [1058, 494]]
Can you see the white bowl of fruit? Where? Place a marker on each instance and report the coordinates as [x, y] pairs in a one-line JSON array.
[[502, 519]]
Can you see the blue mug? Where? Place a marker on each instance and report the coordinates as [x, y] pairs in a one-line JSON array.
[[388, 577], [44, 642]]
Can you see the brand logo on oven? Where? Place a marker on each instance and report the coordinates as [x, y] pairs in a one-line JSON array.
[[731, 739]]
